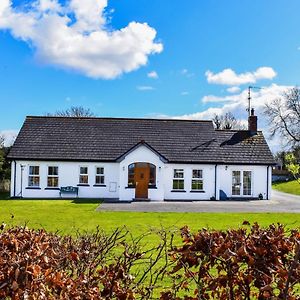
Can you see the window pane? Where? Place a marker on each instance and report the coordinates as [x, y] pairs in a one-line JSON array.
[[197, 185], [247, 183], [34, 170], [53, 171], [84, 179], [197, 173], [100, 171], [178, 184], [152, 180], [83, 170], [52, 181], [99, 179], [178, 173], [236, 183], [34, 181]]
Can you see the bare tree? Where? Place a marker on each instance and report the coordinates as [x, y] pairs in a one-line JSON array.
[[74, 111], [283, 116], [227, 121]]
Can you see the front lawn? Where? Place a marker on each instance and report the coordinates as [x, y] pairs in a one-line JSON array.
[[291, 187], [67, 217]]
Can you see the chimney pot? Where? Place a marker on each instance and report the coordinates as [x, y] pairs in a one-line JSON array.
[[252, 123]]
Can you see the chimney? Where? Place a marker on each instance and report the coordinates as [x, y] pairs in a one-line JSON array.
[[252, 123]]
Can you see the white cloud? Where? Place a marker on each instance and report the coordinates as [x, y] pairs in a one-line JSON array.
[[237, 105], [233, 89], [185, 93], [145, 88], [229, 77], [9, 136], [76, 36], [153, 75]]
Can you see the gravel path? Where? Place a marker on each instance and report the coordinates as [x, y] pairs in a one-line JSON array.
[[280, 202]]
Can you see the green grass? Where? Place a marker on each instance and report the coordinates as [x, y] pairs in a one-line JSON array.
[[291, 187], [67, 217]]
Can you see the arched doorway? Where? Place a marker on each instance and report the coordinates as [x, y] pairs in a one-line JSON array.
[[141, 176]]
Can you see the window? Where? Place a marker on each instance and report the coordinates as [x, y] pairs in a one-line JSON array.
[[83, 176], [34, 176], [247, 183], [152, 180], [99, 176], [241, 183], [131, 181], [197, 180], [52, 179], [236, 183], [178, 179]]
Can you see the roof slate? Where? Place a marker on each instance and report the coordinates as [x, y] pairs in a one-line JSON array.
[[107, 139]]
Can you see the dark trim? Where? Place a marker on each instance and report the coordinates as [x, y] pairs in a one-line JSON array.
[[178, 191], [220, 163], [32, 188], [81, 184], [141, 143], [168, 161], [216, 167], [99, 185], [52, 188], [268, 182], [153, 187], [130, 187], [195, 191], [15, 177]]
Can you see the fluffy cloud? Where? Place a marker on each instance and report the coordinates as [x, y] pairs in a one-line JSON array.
[[237, 105], [153, 75], [229, 77], [145, 88], [233, 89], [76, 36]]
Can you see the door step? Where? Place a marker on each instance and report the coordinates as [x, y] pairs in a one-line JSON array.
[[141, 199]]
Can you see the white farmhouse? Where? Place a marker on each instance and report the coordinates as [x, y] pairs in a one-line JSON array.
[[125, 159]]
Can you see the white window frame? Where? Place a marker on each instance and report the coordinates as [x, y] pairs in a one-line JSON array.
[[100, 175], [53, 176], [242, 183], [179, 170], [83, 174], [198, 179], [34, 175]]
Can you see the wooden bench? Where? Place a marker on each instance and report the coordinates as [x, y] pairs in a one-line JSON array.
[[68, 190]]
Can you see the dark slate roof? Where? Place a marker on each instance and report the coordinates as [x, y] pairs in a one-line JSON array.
[[108, 139]]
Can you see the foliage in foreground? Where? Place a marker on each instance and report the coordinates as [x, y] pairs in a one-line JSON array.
[[259, 263]]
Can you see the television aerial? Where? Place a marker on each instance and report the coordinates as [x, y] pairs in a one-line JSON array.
[[249, 97]]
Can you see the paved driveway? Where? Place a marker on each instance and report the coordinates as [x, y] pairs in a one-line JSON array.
[[280, 202]]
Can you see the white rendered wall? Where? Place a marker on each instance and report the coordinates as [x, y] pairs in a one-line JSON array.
[[142, 154], [259, 179], [188, 194], [68, 176], [116, 175]]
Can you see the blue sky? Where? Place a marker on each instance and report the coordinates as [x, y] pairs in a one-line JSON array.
[[192, 38]]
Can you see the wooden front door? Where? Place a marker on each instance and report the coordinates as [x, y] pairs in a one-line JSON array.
[[141, 178]]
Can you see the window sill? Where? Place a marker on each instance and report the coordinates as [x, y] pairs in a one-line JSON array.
[[32, 188], [178, 191], [197, 191], [99, 185], [81, 184], [52, 188]]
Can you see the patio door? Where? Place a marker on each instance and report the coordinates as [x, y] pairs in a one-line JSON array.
[[241, 183]]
